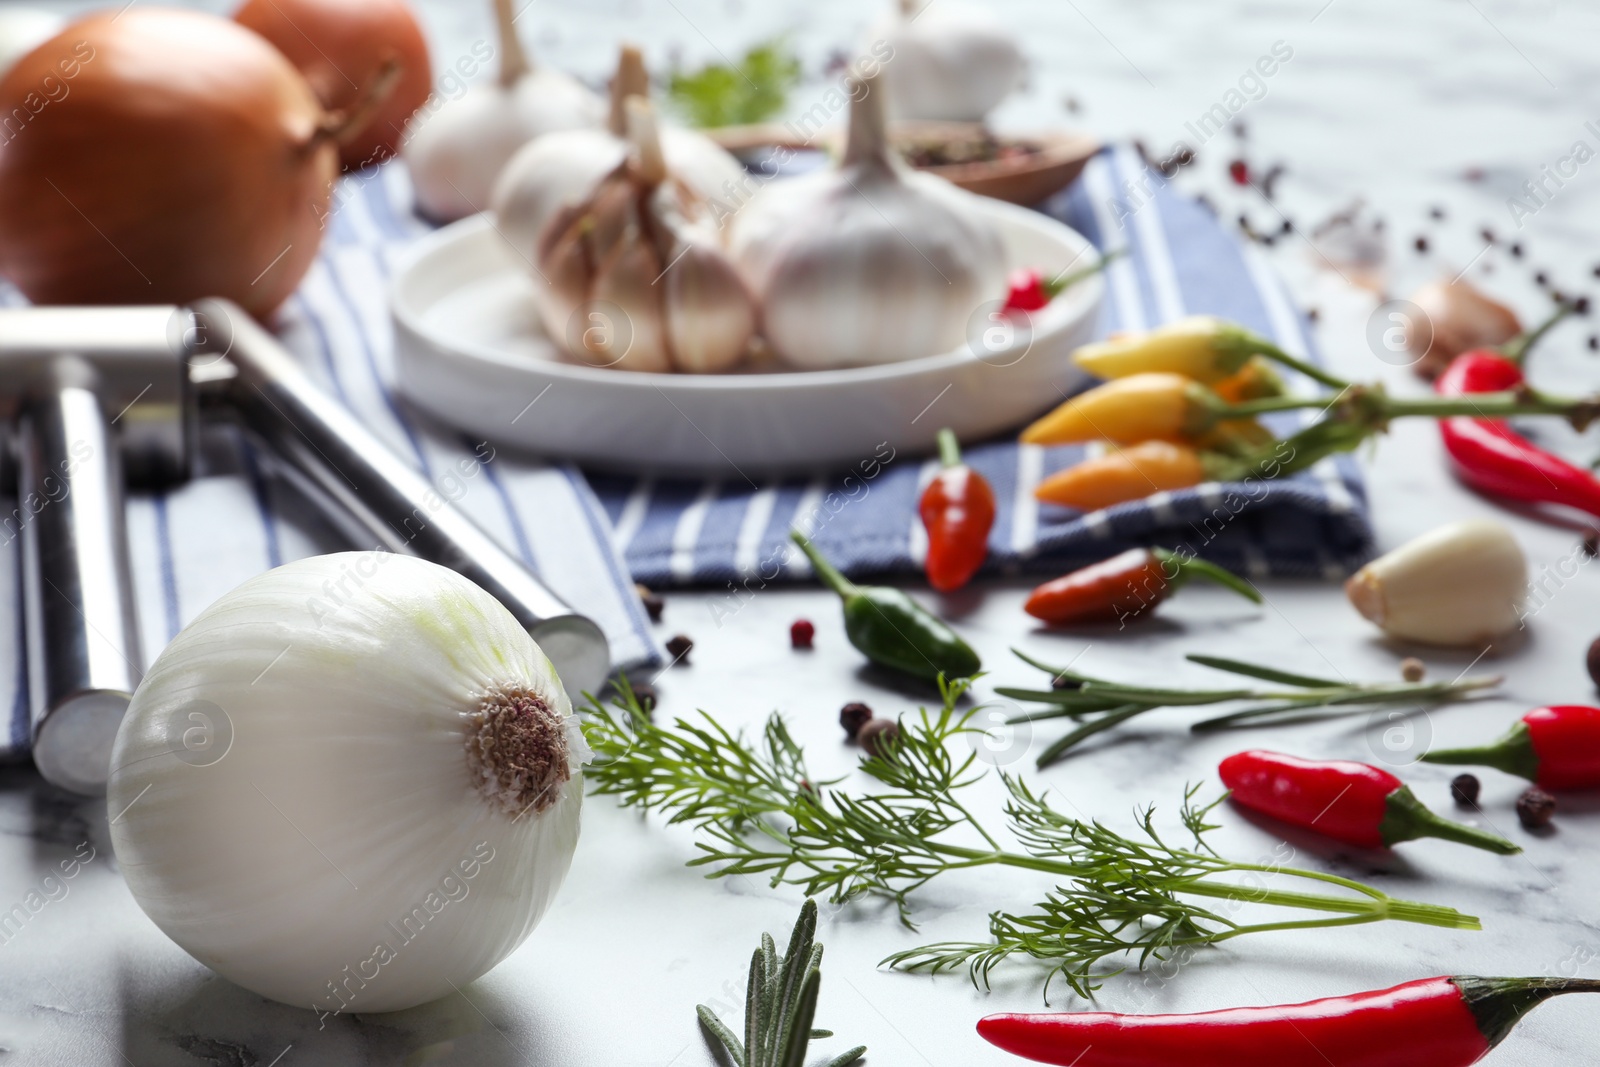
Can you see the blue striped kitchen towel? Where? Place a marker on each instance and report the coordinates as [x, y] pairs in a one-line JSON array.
[[1180, 262]]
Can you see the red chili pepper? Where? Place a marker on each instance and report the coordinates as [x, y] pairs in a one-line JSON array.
[[1030, 290], [1434, 1022], [1351, 802], [1558, 747], [1493, 458], [958, 511], [1125, 585], [1027, 291]]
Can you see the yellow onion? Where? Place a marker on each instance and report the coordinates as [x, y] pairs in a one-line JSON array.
[[183, 156], [341, 46]]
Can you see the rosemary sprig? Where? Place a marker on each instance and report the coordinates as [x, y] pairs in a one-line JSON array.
[[1078, 696], [780, 1003], [758, 811]]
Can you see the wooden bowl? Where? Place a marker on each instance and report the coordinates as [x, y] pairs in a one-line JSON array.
[[1026, 179]]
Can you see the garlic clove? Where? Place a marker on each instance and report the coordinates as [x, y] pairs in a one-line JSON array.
[[711, 315], [944, 61], [1462, 585], [637, 340], [867, 262]]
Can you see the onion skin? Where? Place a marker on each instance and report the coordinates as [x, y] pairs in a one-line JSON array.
[[340, 46], [185, 160]]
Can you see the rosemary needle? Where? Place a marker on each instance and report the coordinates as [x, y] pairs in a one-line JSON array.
[[758, 811]]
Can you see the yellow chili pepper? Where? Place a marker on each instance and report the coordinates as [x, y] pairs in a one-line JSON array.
[[1129, 474], [1201, 347], [1258, 378], [1140, 407]]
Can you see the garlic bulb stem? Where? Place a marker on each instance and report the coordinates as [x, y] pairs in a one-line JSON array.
[[514, 63], [867, 140], [631, 79], [648, 162]]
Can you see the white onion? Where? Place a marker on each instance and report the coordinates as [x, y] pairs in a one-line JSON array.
[[351, 784]]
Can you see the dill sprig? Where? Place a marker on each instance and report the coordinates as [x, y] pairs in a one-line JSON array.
[[780, 1003], [1120, 898], [1098, 704]]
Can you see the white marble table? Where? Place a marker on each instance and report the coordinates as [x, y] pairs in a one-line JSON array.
[[1390, 103]]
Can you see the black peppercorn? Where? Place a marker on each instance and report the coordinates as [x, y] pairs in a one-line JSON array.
[[1464, 787], [853, 716], [1592, 661], [645, 694], [1421, 243], [1534, 808], [679, 647], [877, 735]]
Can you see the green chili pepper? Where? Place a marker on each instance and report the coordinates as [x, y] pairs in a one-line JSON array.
[[890, 628]]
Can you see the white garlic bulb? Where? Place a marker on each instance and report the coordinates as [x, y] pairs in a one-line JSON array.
[[1463, 584], [868, 262], [949, 62], [353, 784], [633, 276], [559, 170], [455, 154]]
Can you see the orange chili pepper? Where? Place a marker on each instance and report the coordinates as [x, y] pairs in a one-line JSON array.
[[1125, 474], [957, 510], [1141, 407], [1124, 586]]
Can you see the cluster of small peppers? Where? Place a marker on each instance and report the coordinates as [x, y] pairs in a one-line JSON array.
[[1181, 404]]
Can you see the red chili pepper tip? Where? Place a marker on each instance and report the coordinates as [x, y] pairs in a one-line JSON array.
[[801, 632]]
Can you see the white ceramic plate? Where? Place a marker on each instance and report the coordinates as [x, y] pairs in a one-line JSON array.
[[469, 349]]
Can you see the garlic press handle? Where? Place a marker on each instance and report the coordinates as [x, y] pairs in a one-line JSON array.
[[369, 491]]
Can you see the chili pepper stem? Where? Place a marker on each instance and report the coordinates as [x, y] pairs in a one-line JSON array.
[[1195, 567], [1068, 278], [1516, 349], [1482, 405], [1498, 1004], [1310, 370], [826, 571], [1406, 819], [949, 448], [1513, 754]]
